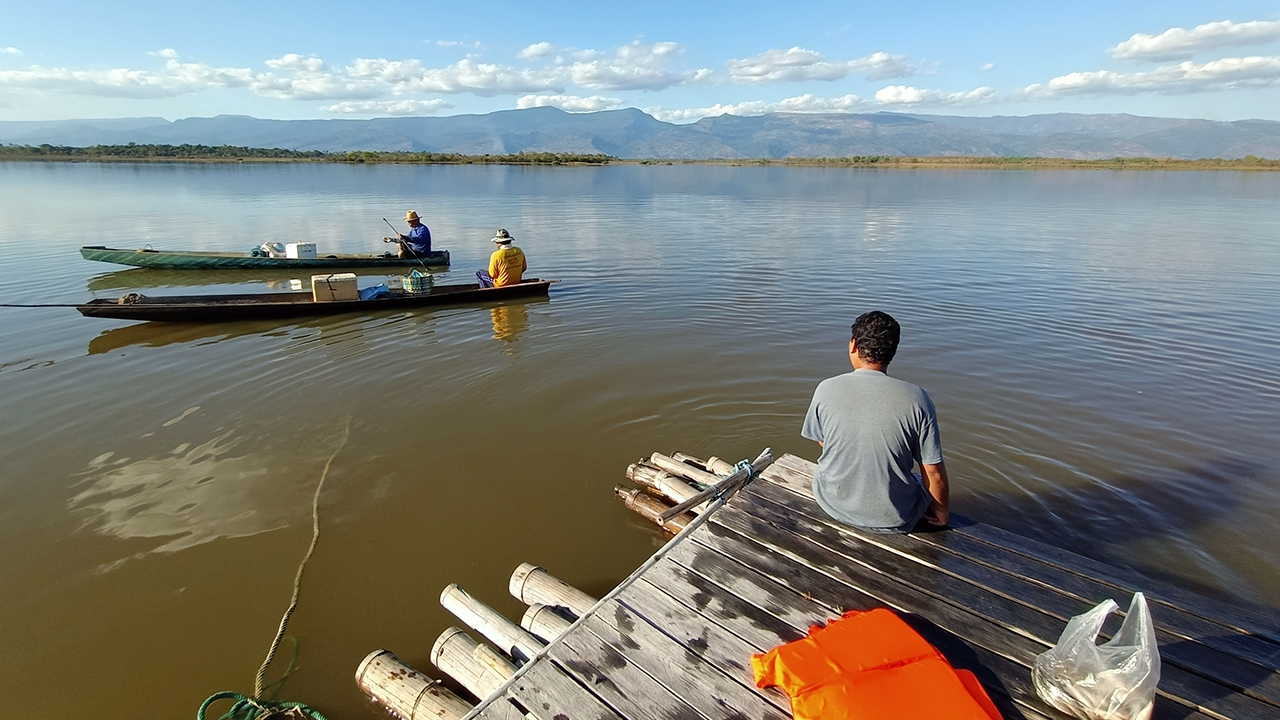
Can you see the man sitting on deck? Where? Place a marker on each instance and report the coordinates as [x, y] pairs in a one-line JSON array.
[[418, 242], [506, 264], [872, 429]]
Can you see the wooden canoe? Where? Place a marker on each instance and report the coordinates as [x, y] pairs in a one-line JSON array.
[[259, 306], [198, 260]]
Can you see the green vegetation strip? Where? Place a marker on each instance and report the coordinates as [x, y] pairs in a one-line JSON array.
[[233, 153]]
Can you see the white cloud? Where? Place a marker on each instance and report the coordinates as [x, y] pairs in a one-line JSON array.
[[537, 50], [176, 79], [388, 107], [1177, 43], [570, 103], [894, 95], [904, 95], [464, 76], [799, 64], [634, 66], [10, 51], [1186, 77], [988, 66]]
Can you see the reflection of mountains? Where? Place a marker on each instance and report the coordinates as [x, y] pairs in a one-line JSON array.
[[136, 278]]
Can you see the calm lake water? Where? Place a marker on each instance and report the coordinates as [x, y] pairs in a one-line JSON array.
[[1101, 347]]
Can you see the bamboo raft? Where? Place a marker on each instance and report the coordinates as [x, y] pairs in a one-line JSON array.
[[755, 563]]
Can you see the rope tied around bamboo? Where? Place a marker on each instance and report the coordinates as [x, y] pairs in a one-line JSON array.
[[677, 487]]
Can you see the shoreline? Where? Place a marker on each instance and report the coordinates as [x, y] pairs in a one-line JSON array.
[[240, 155]]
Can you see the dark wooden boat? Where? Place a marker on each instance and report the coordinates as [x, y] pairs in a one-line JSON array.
[[259, 306], [192, 260]]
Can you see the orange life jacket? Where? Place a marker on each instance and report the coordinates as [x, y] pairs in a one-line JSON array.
[[871, 666]]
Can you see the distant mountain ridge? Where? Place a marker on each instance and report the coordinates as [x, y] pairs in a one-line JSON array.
[[633, 134]]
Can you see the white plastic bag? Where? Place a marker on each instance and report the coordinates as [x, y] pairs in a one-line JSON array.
[[1112, 681]]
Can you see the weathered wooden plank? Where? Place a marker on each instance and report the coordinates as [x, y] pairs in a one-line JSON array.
[[707, 599], [704, 638], [499, 708], [548, 692], [796, 474], [764, 631], [1246, 620], [625, 687], [1250, 647], [804, 517], [677, 667], [814, 570]]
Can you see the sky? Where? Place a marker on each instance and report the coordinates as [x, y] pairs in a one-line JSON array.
[[677, 60]]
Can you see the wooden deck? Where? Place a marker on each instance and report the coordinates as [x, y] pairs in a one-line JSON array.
[[674, 641]]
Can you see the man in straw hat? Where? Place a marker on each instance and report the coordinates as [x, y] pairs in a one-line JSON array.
[[418, 242], [506, 264]]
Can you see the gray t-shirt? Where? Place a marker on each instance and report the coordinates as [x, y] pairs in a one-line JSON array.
[[873, 428]]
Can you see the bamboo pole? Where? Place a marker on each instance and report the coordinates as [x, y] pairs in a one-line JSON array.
[[718, 466], [687, 459], [531, 585], [671, 465], [405, 692], [509, 637], [457, 655], [651, 509], [663, 483], [544, 621], [727, 485]]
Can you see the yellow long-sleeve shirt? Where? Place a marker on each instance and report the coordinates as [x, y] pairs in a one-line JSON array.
[[507, 266]]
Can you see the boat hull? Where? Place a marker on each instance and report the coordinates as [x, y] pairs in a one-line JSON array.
[[263, 306], [184, 260]]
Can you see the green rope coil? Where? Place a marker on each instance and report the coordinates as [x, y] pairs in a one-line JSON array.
[[247, 708]]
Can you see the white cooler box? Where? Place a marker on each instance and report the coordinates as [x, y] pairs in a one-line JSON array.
[[334, 288], [300, 251]]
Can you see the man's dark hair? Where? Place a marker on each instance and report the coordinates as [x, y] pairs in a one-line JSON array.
[[877, 334]]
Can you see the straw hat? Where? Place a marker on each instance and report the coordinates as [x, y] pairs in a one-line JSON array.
[[411, 215], [502, 237]]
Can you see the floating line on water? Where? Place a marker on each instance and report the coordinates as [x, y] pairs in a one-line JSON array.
[[297, 580], [256, 708]]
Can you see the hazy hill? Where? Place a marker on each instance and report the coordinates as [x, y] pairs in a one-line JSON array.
[[631, 133]]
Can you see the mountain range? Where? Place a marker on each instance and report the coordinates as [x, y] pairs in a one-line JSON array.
[[631, 133]]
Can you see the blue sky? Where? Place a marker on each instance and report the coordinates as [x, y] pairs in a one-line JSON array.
[[680, 61]]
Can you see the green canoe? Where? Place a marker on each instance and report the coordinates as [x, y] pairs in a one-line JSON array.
[[188, 260]]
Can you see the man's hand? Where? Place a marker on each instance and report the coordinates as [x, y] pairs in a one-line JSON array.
[[935, 481]]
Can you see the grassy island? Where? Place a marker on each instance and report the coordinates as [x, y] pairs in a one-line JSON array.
[[233, 153]]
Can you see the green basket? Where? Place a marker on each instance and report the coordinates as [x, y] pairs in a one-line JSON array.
[[417, 283]]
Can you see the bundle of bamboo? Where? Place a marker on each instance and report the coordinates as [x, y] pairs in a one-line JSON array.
[[667, 482], [478, 667]]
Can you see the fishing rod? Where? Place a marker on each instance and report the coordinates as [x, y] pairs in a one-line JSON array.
[[405, 245]]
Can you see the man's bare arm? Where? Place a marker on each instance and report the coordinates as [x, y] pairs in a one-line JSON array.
[[935, 481]]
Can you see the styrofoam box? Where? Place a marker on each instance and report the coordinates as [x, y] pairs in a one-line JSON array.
[[334, 288], [300, 251]]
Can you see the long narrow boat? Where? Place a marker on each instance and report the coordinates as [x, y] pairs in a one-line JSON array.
[[194, 260], [259, 306]]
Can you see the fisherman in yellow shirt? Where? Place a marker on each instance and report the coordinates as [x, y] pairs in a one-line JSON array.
[[506, 264]]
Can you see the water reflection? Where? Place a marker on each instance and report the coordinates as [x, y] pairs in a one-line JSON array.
[[157, 334], [509, 321], [193, 494]]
